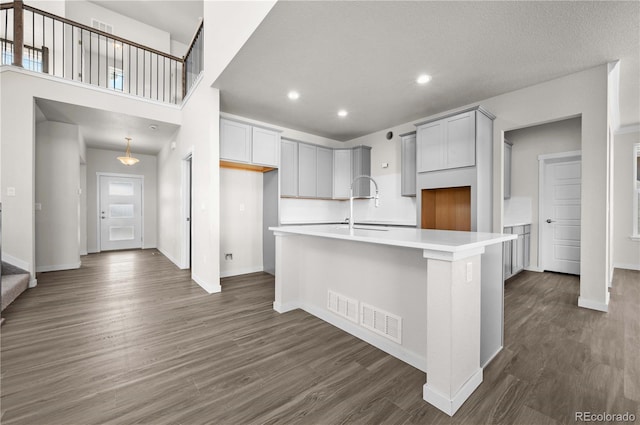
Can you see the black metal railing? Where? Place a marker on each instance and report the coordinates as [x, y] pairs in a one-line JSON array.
[[70, 50], [194, 59]]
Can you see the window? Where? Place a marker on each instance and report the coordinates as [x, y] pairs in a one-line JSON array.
[[636, 191], [116, 78], [32, 58]]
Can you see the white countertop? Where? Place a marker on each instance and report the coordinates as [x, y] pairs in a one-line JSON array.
[[516, 223], [433, 240]]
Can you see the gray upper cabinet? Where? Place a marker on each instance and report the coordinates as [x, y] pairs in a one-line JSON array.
[[341, 173], [244, 143], [307, 170], [430, 147], [312, 171], [447, 143], [235, 141], [460, 138], [361, 166], [324, 172], [288, 168], [507, 170], [408, 165], [265, 147]]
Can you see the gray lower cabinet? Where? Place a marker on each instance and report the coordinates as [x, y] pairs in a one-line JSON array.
[[517, 251], [324, 172], [341, 173], [408, 165], [307, 170], [288, 168], [361, 166]]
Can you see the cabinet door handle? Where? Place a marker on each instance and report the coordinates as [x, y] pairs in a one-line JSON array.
[[550, 221]]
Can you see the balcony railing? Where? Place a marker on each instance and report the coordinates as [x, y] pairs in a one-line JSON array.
[[40, 41]]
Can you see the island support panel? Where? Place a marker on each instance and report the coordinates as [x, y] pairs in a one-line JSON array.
[[437, 293], [453, 328]]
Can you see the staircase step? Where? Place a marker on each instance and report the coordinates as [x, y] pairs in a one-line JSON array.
[[12, 286]]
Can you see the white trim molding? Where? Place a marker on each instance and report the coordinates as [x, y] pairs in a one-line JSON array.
[[593, 305], [21, 264], [211, 288], [243, 270], [451, 406], [58, 267], [632, 128], [627, 266]]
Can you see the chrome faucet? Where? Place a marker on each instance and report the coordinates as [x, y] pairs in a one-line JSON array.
[[376, 197]]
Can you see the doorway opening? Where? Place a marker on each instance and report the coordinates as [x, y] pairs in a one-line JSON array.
[[187, 184], [559, 212], [120, 211]]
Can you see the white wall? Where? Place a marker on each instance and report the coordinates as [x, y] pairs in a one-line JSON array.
[[241, 196], [528, 143], [104, 161], [57, 180], [19, 89], [626, 252], [83, 11], [581, 94]]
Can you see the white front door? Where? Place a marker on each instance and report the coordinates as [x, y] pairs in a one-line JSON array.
[[560, 221], [120, 213]]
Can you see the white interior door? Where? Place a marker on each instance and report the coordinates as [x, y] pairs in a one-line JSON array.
[[120, 213], [560, 221]]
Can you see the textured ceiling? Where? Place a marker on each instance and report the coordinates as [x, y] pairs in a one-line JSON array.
[[107, 130], [365, 57]]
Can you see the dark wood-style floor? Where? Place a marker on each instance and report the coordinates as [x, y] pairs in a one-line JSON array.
[[129, 338]]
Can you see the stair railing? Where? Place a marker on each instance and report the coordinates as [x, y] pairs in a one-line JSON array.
[[43, 42]]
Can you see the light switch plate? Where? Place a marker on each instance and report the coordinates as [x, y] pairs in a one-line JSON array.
[[38, 206]]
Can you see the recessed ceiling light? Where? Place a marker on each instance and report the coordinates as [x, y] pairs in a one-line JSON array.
[[423, 79], [153, 127], [342, 113], [293, 95]]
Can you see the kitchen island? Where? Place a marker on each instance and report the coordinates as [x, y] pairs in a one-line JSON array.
[[431, 298]]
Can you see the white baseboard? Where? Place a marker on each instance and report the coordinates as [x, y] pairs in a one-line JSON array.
[[593, 305], [83, 253], [451, 405], [243, 270], [382, 343], [211, 288], [534, 269], [173, 260], [15, 261], [58, 267], [33, 283], [283, 308], [626, 266], [493, 356]]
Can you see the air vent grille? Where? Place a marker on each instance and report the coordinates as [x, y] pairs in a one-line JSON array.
[[343, 306], [381, 322], [99, 25]]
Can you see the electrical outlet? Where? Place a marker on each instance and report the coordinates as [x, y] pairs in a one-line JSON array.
[[241, 207], [11, 191], [228, 257]]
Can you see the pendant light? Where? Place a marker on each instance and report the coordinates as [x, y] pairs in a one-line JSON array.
[[127, 159]]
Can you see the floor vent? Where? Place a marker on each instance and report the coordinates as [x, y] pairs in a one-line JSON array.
[[381, 322], [343, 306]]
